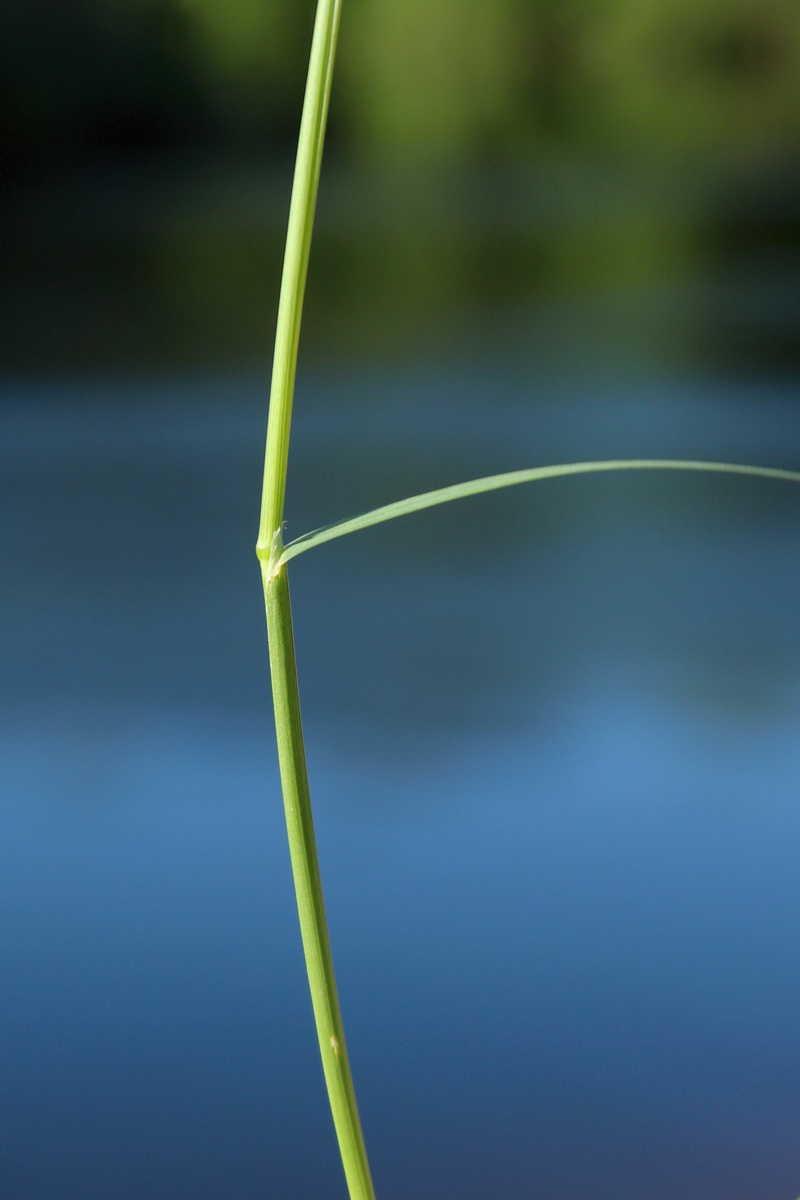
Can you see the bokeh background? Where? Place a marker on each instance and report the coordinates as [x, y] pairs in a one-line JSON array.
[[482, 158], [553, 734]]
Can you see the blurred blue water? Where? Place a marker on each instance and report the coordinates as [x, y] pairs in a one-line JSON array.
[[553, 742]]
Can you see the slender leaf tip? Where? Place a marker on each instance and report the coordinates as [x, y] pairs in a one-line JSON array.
[[489, 483]]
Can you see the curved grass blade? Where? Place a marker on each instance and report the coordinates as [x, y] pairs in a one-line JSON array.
[[492, 483]]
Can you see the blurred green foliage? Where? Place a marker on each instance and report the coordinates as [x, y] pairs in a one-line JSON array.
[[418, 80], [589, 150]]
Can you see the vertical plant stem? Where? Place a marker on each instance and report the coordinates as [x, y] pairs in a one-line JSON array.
[[288, 724], [295, 269], [308, 888]]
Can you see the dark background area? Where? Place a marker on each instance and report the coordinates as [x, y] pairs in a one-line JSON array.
[[482, 159]]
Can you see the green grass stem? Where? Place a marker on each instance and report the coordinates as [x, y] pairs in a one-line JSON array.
[[286, 701], [308, 888], [274, 557], [295, 269]]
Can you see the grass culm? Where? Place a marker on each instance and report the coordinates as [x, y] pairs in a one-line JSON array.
[[274, 558]]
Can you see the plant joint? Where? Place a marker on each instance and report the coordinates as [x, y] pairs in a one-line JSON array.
[[270, 557]]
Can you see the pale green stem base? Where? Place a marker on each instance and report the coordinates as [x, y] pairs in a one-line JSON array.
[[308, 886]]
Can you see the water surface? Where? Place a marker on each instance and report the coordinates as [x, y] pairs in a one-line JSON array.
[[553, 743]]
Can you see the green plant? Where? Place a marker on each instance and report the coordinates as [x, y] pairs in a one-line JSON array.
[[274, 557]]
